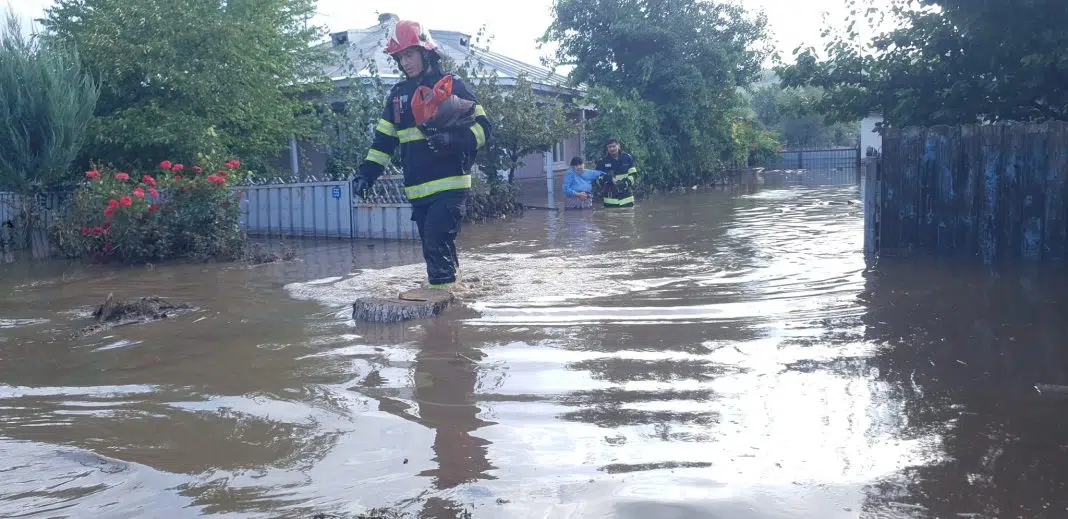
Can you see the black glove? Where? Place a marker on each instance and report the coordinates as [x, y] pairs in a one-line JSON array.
[[361, 187], [441, 142]]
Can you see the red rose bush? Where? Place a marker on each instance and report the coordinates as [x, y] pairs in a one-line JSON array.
[[169, 213]]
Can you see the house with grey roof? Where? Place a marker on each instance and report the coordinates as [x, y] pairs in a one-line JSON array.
[[363, 45]]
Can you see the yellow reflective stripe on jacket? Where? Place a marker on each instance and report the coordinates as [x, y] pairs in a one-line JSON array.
[[480, 135], [378, 157], [632, 170], [386, 127], [480, 111], [410, 135], [619, 201], [436, 186]]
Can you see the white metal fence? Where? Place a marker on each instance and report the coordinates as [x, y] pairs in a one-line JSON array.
[[328, 209], [323, 209], [317, 209]]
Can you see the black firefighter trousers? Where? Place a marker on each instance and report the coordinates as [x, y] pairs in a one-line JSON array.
[[439, 222]]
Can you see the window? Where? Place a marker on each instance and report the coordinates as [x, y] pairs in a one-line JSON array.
[[558, 152]]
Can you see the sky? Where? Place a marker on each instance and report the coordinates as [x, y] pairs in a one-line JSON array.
[[516, 25]]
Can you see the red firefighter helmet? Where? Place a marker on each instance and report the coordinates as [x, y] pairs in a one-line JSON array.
[[407, 33]]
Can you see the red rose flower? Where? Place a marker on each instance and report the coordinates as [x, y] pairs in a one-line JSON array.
[[177, 167], [139, 193], [92, 174], [165, 164], [85, 231], [152, 191], [177, 177], [198, 169], [112, 204], [149, 180], [109, 212], [122, 176], [97, 231], [125, 201]]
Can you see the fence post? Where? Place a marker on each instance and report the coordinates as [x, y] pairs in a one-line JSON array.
[[548, 158], [872, 184]]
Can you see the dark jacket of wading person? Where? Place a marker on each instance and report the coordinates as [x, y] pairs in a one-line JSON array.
[[617, 185], [436, 155]]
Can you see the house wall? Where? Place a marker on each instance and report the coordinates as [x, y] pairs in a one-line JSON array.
[[534, 164], [533, 186], [312, 160]]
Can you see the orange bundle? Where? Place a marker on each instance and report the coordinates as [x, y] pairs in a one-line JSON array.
[[426, 100], [438, 109]]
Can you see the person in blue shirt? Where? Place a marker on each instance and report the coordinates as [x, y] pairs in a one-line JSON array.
[[578, 184]]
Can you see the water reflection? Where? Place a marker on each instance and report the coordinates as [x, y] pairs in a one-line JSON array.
[[707, 354], [965, 347]]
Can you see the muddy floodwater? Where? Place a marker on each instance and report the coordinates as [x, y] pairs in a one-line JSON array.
[[707, 355]]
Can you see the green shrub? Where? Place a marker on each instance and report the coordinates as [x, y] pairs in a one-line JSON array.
[[46, 103], [493, 199], [174, 213]]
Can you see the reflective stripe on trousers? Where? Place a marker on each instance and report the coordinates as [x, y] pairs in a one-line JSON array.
[[618, 201]]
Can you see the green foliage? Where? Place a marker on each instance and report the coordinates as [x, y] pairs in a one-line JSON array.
[[677, 63], [632, 120], [46, 102], [179, 76], [944, 62], [524, 121], [348, 119], [492, 200], [754, 144], [176, 212], [792, 113]]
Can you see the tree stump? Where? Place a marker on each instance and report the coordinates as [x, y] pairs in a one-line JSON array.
[[112, 313], [143, 309], [407, 306]]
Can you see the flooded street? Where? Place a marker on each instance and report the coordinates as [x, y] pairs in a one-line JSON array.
[[708, 355]]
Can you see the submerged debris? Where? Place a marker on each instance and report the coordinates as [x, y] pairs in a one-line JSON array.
[[1052, 389], [112, 313], [411, 305], [258, 255]]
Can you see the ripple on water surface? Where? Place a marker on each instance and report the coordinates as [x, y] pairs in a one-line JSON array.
[[694, 354]]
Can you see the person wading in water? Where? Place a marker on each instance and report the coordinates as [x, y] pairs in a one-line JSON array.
[[578, 185], [436, 158], [621, 176]]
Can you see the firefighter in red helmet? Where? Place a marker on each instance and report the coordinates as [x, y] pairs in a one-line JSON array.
[[436, 161]]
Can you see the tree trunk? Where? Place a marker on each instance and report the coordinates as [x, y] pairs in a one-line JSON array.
[[511, 175]]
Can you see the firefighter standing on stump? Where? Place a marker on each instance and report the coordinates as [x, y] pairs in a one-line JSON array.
[[620, 176], [439, 126]]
